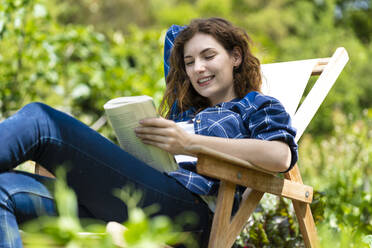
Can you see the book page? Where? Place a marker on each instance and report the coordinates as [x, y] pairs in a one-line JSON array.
[[124, 114]]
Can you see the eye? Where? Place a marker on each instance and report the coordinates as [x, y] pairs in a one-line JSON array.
[[210, 56], [188, 63]]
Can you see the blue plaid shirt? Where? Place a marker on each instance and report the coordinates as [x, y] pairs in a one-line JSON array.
[[255, 116]]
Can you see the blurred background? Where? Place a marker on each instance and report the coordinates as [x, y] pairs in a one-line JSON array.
[[77, 54]]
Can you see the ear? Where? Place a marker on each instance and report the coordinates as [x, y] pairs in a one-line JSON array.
[[236, 56]]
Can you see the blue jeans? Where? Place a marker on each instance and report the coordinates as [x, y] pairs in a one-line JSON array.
[[95, 167]]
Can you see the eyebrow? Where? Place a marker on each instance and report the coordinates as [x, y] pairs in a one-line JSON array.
[[203, 51]]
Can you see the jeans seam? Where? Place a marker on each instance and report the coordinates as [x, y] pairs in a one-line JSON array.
[[33, 193], [5, 216], [8, 196], [6, 228], [5, 220]]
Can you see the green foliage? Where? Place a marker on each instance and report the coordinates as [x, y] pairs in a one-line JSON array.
[[78, 69], [273, 224], [72, 67], [282, 30], [145, 232], [345, 237], [368, 240], [357, 15], [292, 30], [344, 161]]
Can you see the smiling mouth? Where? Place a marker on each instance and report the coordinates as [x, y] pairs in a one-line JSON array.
[[204, 81]]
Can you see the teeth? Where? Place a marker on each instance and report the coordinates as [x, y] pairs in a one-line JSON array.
[[205, 79]]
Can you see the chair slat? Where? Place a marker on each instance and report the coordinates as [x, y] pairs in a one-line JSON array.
[[319, 91]]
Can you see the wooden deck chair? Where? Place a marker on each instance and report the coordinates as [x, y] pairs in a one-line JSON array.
[[285, 81]]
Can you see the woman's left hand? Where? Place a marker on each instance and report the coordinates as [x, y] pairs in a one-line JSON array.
[[164, 134]]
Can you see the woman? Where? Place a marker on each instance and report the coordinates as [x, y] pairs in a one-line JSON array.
[[213, 87]]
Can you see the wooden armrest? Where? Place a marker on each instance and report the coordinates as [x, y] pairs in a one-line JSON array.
[[230, 169]]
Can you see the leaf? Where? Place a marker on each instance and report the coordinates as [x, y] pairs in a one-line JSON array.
[[2, 25], [368, 240], [39, 11]]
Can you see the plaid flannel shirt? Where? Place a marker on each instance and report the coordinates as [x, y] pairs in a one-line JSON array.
[[255, 116]]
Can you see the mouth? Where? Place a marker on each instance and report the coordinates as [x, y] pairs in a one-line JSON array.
[[205, 80]]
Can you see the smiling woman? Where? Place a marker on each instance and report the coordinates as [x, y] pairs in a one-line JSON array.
[[212, 98], [210, 68], [226, 42]]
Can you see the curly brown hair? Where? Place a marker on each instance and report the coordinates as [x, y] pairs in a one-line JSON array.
[[247, 77]]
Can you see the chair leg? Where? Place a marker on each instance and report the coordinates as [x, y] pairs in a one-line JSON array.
[[224, 230], [306, 223], [303, 213], [222, 215], [246, 208]]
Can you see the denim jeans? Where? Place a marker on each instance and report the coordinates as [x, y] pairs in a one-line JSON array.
[[95, 167]]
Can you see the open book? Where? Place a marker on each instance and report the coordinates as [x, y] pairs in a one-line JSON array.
[[124, 113]]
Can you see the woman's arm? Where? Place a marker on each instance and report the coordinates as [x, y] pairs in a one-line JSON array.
[[165, 134], [269, 155]]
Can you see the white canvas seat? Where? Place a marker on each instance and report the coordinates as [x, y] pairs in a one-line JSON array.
[[287, 81]]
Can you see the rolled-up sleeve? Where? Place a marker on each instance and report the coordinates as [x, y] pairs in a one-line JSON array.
[[270, 121]]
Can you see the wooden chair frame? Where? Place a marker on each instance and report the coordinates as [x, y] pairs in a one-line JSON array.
[[232, 171]]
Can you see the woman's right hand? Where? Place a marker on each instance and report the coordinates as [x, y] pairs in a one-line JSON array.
[[165, 134]]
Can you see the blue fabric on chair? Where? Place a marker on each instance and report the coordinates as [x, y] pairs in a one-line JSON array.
[[172, 33]]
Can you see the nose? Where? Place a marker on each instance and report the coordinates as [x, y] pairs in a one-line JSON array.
[[199, 66]]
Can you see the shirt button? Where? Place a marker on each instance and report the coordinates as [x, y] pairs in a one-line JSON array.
[[198, 121]]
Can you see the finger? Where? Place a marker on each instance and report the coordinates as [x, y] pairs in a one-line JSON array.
[[151, 130], [156, 122], [162, 146], [163, 131], [153, 137]]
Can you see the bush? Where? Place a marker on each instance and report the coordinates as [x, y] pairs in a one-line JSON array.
[[72, 67]]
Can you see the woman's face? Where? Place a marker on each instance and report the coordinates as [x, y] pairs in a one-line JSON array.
[[210, 68]]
